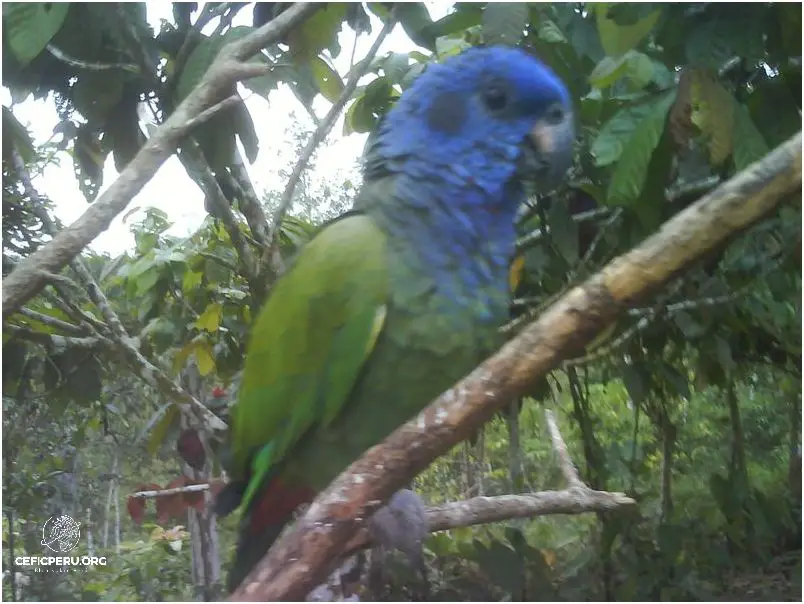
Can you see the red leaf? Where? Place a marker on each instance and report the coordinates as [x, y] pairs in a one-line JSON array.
[[136, 509], [171, 506], [190, 449], [136, 505]]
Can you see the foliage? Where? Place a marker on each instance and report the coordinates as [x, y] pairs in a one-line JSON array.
[[691, 404]]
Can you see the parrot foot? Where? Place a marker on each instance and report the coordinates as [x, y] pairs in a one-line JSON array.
[[400, 525]]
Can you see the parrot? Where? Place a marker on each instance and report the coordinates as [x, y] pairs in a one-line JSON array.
[[391, 303]]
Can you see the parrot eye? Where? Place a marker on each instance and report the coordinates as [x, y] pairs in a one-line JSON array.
[[555, 114], [495, 97]]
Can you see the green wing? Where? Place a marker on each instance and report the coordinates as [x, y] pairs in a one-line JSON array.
[[310, 341]]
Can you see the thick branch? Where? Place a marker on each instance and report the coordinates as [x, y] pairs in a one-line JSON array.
[[26, 280], [305, 555]]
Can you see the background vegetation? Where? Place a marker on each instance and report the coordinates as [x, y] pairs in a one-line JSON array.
[[691, 405]]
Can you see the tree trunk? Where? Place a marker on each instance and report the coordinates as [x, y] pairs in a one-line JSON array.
[[206, 564], [515, 463], [668, 450]]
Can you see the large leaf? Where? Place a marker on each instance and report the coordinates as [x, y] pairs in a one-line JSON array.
[[504, 22], [395, 66], [617, 39], [632, 168], [17, 136], [202, 57], [246, 132], [29, 26], [318, 32], [749, 144], [609, 144], [416, 22], [713, 113], [714, 42], [564, 231], [608, 71], [327, 79], [88, 158]]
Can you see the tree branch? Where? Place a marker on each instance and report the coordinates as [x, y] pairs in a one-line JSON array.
[[53, 341], [316, 139], [304, 556], [70, 328], [229, 67], [190, 488]]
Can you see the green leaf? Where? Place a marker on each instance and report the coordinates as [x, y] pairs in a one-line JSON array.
[[674, 378], [610, 142], [466, 15], [162, 423], [359, 117], [688, 326], [210, 319], [563, 231], [749, 144], [712, 43], [608, 71], [619, 39], [632, 168], [448, 47], [635, 383], [713, 114], [204, 358], [395, 66], [244, 126], [14, 133], [640, 69], [191, 280], [416, 22], [551, 33], [505, 22], [327, 79], [29, 26], [317, 32]]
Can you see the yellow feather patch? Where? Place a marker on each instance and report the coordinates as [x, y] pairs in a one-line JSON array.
[[516, 272], [376, 327]]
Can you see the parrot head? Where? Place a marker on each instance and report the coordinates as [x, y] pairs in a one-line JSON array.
[[480, 119]]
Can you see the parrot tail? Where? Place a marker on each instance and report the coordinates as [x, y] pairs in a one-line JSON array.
[[262, 524]]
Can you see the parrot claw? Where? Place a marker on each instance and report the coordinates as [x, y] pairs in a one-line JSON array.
[[400, 525]]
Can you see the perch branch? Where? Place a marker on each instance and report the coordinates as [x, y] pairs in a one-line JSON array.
[[317, 138], [190, 488], [304, 556], [229, 66]]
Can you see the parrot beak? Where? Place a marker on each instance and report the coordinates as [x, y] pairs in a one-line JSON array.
[[547, 152]]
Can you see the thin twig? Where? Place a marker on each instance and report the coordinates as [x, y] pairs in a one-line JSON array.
[[560, 447], [318, 137], [190, 488], [88, 65]]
